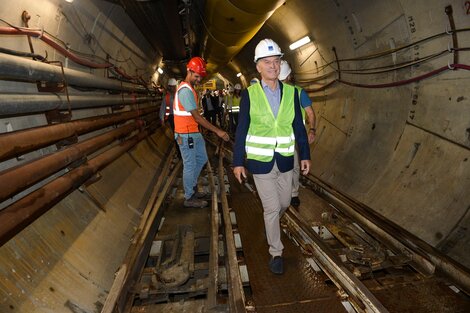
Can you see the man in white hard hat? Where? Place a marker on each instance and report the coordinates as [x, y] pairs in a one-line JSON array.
[[166, 108], [270, 124], [287, 77]]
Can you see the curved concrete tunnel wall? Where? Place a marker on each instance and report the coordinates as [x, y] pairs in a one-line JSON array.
[[403, 151], [65, 261]]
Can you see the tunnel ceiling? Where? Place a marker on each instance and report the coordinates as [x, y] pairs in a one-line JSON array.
[[214, 29], [171, 27]]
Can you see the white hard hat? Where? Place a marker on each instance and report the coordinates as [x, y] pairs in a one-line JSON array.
[[172, 82], [285, 70], [267, 48], [238, 87], [254, 80]]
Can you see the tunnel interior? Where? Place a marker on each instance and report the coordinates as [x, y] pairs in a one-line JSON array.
[[388, 80]]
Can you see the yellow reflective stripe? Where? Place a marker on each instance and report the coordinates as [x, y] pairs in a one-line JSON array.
[[283, 140], [261, 140], [286, 150], [259, 151]]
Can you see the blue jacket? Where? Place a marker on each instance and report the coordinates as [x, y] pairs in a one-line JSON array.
[[283, 163]]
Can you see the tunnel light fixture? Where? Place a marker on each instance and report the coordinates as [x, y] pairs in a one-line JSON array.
[[239, 74], [159, 70], [299, 43]]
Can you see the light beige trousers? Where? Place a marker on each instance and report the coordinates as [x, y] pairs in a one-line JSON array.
[[274, 189]]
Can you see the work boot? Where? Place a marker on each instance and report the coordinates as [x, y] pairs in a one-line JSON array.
[[276, 265], [295, 201], [194, 202], [199, 195]]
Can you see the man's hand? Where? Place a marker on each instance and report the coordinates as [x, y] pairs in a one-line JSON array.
[[222, 134], [239, 172], [311, 136], [304, 166]]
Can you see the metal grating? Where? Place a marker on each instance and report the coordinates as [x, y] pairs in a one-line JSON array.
[[300, 288]]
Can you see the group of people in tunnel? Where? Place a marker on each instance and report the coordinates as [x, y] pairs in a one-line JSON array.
[[271, 141], [213, 106]]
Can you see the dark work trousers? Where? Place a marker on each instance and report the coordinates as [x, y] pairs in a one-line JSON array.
[[233, 122], [211, 116]]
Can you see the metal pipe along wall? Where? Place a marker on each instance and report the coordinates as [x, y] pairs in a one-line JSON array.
[[17, 143], [17, 68], [23, 212]]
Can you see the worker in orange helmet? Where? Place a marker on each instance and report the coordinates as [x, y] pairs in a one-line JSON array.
[[190, 141]]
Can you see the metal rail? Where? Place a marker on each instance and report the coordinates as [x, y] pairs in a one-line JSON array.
[[213, 284], [360, 296], [426, 259], [138, 251], [235, 287]]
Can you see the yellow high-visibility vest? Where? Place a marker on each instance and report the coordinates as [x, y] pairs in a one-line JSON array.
[[267, 134]]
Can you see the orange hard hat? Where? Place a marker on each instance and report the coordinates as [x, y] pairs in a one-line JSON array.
[[197, 65]]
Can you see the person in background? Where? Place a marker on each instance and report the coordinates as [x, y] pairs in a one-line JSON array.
[[190, 141], [287, 77], [269, 125], [219, 99], [208, 105], [166, 108], [232, 101]]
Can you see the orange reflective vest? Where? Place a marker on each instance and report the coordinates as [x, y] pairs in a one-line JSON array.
[[184, 121]]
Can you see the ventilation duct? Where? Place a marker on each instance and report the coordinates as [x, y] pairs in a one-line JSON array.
[[231, 25]]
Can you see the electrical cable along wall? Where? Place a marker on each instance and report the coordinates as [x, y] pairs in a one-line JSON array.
[[389, 68]]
